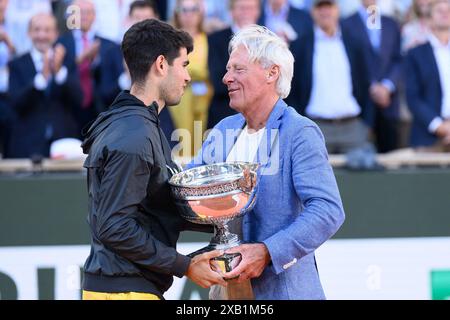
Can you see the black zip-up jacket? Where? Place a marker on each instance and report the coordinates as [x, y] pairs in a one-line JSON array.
[[134, 223]]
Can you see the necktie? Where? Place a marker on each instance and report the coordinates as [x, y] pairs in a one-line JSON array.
[[85, 77]]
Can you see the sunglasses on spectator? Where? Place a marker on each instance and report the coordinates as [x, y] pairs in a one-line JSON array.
[[189, 9]]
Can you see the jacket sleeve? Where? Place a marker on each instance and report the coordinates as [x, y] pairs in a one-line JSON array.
[[123, 187], [316, 187], [422, 111], [22, 90], [394, 73]]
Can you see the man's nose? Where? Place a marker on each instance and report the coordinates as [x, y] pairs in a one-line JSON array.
[[226, 78], [188, 77]]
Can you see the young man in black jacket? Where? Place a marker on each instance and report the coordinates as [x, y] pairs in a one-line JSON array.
[[134, 222]]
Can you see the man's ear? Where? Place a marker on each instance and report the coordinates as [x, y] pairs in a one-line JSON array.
[[160, 65], [273, 74]]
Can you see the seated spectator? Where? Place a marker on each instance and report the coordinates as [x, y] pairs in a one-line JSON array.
[[428, 82], [43, 93], [331, 81]]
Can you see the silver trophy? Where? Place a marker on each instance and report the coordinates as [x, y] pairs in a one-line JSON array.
[[216, 194]]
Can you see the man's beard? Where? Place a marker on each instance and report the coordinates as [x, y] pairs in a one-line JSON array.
[[169, 97]]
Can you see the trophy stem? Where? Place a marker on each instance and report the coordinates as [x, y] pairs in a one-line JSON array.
[[224, 239]]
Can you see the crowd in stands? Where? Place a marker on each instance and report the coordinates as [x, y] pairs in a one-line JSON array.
[[374, 75]]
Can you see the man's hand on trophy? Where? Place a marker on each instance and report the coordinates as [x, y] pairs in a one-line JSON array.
[[200, 272], [255, 258]]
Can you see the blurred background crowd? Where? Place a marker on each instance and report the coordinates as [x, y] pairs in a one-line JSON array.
[[374, 75]]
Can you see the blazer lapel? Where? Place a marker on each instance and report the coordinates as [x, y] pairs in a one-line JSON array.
[[269, 145], [428, 51]]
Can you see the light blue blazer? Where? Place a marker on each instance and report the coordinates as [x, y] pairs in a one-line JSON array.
[[298, 203]]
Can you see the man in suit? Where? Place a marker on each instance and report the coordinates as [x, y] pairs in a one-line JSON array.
[[244, 13], [43, 93], [428, 83], [331, 82], [298, 204], [85, 53], [381, 35], [285, 20]]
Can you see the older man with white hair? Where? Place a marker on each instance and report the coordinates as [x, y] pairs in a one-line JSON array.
[[298, 203]]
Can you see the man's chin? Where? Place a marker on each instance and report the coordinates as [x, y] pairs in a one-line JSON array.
[[172, 103]]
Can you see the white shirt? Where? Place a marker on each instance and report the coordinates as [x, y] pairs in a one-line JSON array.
[[246, 146], [332, 88], [442, 55]]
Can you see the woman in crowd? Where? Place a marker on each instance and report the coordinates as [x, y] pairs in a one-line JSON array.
[[193, 108]]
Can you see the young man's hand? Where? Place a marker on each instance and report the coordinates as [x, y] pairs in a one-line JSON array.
[[200, 271]]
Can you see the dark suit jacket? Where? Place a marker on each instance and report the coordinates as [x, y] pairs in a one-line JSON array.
[[110, 70], [300, 20], [105, 77], [386, 63], [217, 62], [423, 92], [35, 110], [303, 50]]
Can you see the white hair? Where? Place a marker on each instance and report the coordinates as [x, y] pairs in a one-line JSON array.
[[268, 49]]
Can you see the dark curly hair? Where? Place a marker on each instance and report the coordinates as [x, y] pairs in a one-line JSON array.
[[145, 41]]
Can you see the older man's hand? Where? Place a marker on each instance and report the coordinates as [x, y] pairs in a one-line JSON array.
[[255, 257]]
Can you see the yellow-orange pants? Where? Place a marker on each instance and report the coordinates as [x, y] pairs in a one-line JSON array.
[[89, 295]]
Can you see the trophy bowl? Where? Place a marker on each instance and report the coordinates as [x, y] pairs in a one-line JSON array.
[[216, 194]]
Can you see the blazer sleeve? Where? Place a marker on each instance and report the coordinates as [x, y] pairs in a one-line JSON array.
[[316, 187], [422, 112], [394, 73]]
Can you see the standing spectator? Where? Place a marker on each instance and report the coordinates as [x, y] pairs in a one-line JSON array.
[[416, 31], [197, 96], [86, 52], [428, 82], [286, 21], [382, 39], [331, 81], [18, 13], [43, 93], [244, 13]]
